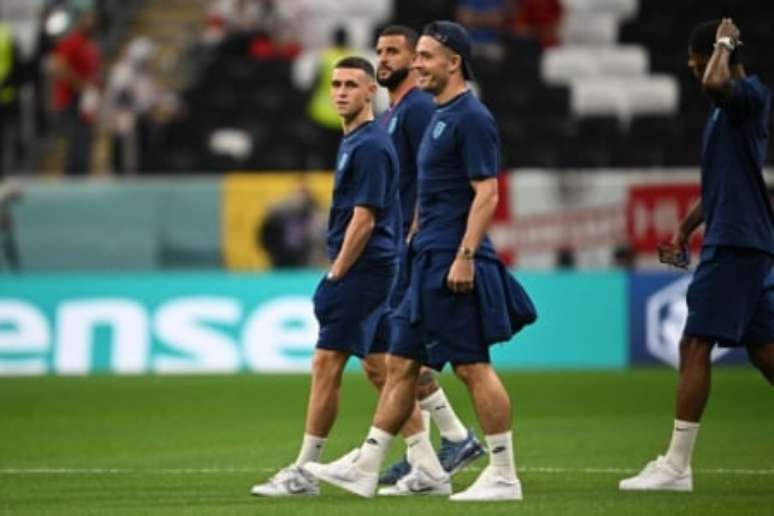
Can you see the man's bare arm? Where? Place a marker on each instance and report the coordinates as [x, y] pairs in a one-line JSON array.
[[359, 230]]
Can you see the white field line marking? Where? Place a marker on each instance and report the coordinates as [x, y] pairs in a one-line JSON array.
[[207, 471]]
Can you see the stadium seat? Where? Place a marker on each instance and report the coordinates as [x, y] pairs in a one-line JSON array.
[[563, 65], [651, 95], [622, 9], [590, 97], [589, 29]]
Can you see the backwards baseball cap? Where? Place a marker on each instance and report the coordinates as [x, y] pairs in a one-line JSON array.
[[454, 37]]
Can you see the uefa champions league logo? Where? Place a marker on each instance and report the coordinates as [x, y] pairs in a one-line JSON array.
[[438, 129], [666, 313]]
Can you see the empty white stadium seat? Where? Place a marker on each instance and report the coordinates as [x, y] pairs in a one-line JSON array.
[[596, 96], [562, 65], [622, 9], [654, 95], [589, 29]]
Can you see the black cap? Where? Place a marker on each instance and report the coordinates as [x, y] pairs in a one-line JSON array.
[[454, 37]]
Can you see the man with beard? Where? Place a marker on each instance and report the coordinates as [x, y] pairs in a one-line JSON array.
[[406, 120], [461, 299]]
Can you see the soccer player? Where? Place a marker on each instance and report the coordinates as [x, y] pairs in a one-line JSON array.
[[364, 233], [461, 298], [406, 121], [731, 297]]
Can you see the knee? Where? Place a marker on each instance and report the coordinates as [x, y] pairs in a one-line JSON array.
[[469, 374], [426, 384], [401, 369], [695, 352], [763, 361], [328, 366], [376, 373]]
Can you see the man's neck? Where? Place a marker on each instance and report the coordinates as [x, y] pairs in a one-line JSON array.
[[454, 88], [408, 84], [361, 117]]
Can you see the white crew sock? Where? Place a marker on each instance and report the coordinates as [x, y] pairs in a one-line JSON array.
[[681, 447], [419, 451], [311, 449], [426, 421], [374, 450], [501, 454], [441, 411]]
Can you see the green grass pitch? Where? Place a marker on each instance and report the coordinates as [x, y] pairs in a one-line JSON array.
[[194, 445]]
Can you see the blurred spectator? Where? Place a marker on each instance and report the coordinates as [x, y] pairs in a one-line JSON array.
[[624, 257], [320, 109], [484, 20], [539, 19], [9, 256], [76, 65], [293, 230], [11, 71], [565, 258], [130, 96]]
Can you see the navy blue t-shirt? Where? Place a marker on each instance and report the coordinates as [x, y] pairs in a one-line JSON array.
[[736, 206], [367, 175], [461, 144], [406, 123]]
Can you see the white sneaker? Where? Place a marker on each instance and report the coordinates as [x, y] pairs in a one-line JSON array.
[[345, 473], [490, 485], [659, 475], [289, 481], [419, 482]]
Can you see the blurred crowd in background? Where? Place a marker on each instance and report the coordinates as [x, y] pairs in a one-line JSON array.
[[188, 86], [179, 87]]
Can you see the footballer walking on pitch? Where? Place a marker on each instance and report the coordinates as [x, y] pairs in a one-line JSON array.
[[406, 120], [364, 233], [731, 297], [461, 299]]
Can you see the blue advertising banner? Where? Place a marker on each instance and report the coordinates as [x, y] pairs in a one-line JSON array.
[[227, 323], [657, 314]]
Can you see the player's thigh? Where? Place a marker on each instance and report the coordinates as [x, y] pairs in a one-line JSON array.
[[724, 294]]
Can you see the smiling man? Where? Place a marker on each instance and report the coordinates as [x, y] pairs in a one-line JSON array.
[[406, 121], [364, 231], [461, 299]]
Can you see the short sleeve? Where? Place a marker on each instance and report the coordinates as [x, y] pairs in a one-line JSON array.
[[480, 146], [417, 120], [371, 170], [748, 98]]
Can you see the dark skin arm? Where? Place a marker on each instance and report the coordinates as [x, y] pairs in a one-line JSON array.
[[673, 253], [359, 230], [718, 76]]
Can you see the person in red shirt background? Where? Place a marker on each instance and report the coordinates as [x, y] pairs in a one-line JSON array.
[[76, 67]]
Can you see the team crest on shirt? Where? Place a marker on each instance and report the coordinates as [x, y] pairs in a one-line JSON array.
[[343, 161], [438, 129], [393, 125]]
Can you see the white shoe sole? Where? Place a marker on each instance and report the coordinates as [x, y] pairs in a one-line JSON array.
[[319, 472], [502, 496], [391, 491], [258, 493], [678, 488]]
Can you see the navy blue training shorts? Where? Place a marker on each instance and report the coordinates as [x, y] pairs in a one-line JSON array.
[[731, 297], [450, 330], [349, 310]]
